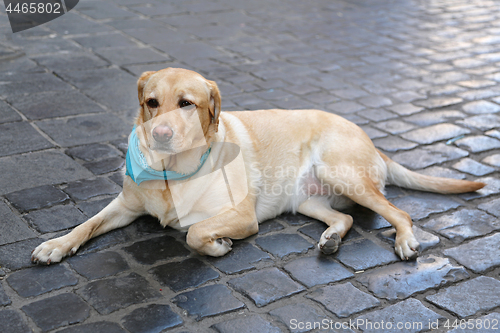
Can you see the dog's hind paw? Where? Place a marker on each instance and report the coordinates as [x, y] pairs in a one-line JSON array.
[[407, 247], [329, 244]]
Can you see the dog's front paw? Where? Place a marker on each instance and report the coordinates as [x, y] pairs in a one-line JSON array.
[[406, 246], [214, 248], [329, 242], [52, 251]]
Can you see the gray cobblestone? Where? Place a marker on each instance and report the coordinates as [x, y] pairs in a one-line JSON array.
[[411, 310], [403, 279], [344, 299], [478, 255], [40, 280], [469, 297]]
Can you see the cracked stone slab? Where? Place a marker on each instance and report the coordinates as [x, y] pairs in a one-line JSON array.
[[479, 255], [464, 224], [208, 301], [315, 270], [403, 279], [409, 311], [265, 286], [469, 297], [343, 299]]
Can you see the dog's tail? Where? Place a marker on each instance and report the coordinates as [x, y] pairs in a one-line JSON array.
[[400, 176]]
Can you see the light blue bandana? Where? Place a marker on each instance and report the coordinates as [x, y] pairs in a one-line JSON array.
[[138, 169]]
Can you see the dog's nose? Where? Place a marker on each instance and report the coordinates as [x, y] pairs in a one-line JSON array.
[[162, 133]]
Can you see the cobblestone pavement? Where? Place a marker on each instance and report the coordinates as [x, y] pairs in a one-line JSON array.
[[421, 78]]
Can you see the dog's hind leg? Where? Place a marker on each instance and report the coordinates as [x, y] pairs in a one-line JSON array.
[[406, 245], [338, 223], [115, 215]]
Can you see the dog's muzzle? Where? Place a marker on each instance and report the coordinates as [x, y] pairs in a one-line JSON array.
[[162, 134]]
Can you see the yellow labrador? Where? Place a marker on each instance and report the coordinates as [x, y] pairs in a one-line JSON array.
[[305, 161]]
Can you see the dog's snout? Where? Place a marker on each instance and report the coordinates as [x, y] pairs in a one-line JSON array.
[[162, 133]]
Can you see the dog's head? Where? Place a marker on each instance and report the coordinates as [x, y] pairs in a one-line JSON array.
[[179, 111]]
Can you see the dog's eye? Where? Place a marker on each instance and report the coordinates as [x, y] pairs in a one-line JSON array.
[[152, 103], [183, 103]]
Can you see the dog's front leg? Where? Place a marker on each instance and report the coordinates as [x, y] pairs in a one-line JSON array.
[[213, 236], [115, 215]]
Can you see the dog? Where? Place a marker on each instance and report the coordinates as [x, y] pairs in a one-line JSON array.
[[326, 161]]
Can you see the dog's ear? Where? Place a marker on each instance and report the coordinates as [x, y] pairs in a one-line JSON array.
[[215, 102], [141, 83]]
